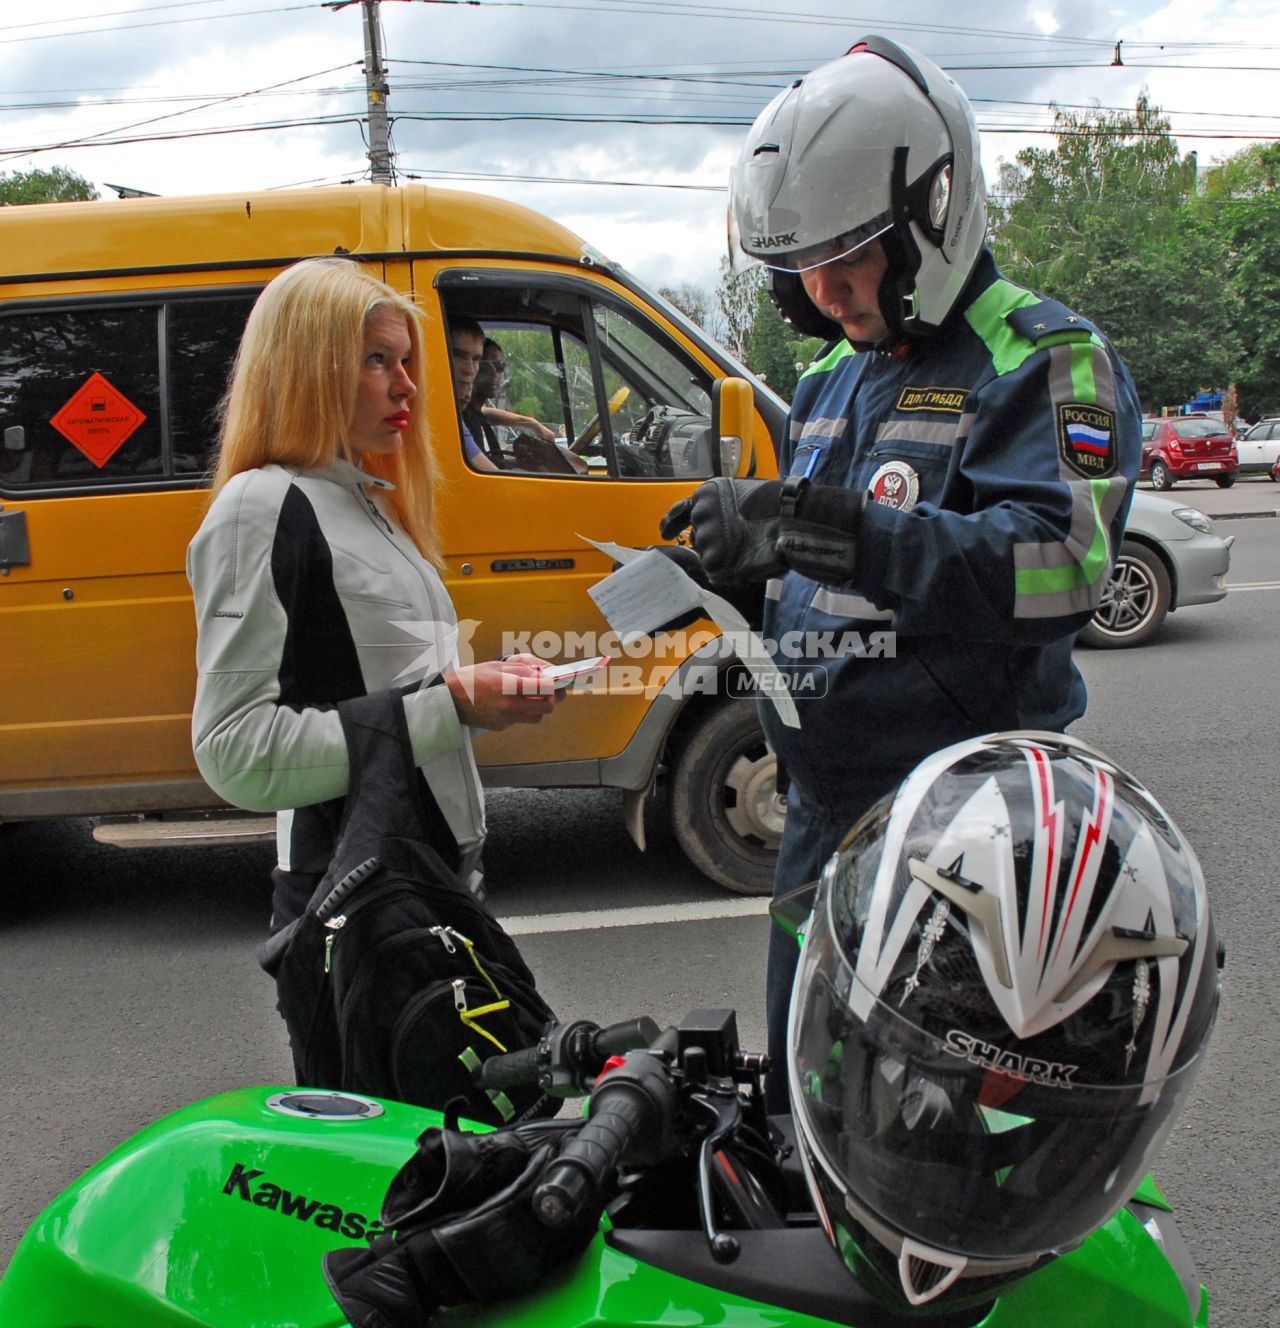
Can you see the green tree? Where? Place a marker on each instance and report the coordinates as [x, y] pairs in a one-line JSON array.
[[737, 301], [1250, 231], [1169, 313], [59, 184], [768, 352], [1249, 173], [774, 351], [1104, 223], [1111, 175], [692, 301], [1239, 204]]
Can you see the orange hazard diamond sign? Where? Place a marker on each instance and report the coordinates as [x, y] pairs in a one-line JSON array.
[[98, 420]]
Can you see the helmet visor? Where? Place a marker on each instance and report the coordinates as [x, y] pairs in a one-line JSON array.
[[947, 1139], [773, 250]]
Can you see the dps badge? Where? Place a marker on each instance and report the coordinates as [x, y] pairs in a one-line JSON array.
[[896, 485]]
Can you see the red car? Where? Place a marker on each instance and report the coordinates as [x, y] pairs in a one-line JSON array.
[[1184, 447]]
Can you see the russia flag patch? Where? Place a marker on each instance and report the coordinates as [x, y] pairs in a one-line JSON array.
[[1086, 439]]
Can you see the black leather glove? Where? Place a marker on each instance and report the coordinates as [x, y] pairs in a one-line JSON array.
[[465, 1232], [821, 539], [736, 524]]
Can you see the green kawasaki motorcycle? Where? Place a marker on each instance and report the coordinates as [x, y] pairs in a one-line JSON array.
[[1007, 981], [221, 1215]]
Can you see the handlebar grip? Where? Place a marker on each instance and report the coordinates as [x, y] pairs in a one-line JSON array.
[[514, 1068], [632, 1035], [592, 1156]]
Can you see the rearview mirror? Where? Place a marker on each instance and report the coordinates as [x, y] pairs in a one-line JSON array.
[[733, 421]]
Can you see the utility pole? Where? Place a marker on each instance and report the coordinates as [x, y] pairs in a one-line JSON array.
[[375, 82]]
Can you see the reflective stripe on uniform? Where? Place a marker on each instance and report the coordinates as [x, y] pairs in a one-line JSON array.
[[843, 604], [939, 434], [824, 429], [841, 351], [986, 315], [1062, 577]]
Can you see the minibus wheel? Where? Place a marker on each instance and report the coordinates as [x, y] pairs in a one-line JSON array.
[[726, 812]]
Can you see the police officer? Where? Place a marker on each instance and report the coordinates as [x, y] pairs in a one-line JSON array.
[[958, 465]]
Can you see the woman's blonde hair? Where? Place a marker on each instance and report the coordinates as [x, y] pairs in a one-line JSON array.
[[292, 393]]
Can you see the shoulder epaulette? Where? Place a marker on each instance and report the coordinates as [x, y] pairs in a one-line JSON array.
[[1047, 318]]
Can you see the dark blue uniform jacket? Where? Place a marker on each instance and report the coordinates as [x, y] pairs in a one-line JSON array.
[[999, 460]]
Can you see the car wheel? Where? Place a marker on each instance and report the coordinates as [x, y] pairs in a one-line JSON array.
[[1160, 476], [726, 811], [1224, 481], [1134, 604]]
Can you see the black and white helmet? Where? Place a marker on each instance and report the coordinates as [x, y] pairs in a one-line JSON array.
[[1006, 987], [877, 144]]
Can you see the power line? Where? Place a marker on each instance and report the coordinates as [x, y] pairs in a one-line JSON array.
[[112, 13], [219, 101], [320, 121], [695, 85], [428, 172], [158, 23]]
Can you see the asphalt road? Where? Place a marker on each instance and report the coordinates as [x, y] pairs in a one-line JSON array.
[[129, 986]]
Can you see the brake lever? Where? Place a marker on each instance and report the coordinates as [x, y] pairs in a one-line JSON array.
[[727, 1109]]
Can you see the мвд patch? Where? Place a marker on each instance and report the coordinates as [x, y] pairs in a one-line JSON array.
[[1087, 439]]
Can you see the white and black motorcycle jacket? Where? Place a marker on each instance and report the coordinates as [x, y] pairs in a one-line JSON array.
[[308, 593]]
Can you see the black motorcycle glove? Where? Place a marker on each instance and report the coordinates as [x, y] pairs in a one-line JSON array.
[[821, 539], [736, 524], [465, 1231]]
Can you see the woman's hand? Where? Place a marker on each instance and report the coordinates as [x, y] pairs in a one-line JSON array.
[[501, 692]]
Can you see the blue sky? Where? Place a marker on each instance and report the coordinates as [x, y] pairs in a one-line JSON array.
[[651, 195]]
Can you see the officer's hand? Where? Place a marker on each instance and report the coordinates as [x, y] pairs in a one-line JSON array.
[[736, 524]]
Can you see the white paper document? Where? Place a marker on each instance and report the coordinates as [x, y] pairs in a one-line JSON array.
[[645, 592], [649, 589]]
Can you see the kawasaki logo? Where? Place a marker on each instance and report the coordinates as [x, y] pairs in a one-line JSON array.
[[243, 1183], [778, 241], [1052, 1074]]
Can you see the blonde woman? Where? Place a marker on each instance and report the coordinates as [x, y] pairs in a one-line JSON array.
[[316, 575]]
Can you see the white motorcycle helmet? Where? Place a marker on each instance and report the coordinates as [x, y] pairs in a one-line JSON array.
[[1006, 987], [877, 144]]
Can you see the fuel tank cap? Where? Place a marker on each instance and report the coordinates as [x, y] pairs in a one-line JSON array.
[[316, 1104]]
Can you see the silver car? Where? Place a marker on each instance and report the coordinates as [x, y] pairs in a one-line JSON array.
[[1259, 449], [1170, 559]]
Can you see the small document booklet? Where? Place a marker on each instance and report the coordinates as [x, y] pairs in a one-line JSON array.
[[565, 675]]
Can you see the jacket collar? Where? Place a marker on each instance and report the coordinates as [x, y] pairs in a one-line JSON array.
[[348, 475]]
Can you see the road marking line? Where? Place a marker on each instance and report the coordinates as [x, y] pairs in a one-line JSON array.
[[645, 916], [1236, 587]]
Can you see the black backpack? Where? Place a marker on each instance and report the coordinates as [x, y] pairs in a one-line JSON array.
[[396, 981]]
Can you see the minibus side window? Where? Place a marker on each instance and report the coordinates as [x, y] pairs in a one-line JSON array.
[[114, 395], [94, 370], [201, 336], [559, 349]]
